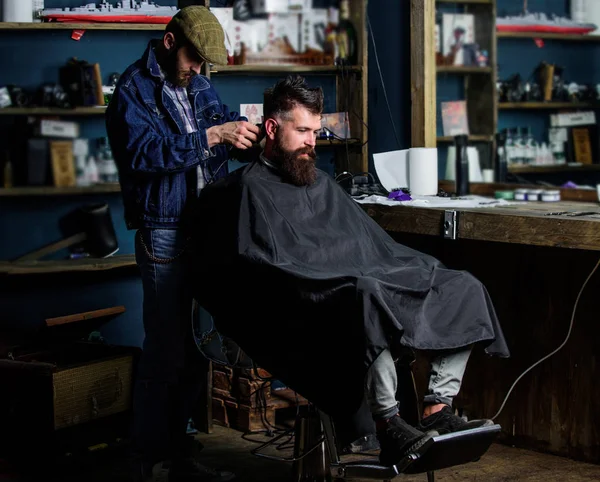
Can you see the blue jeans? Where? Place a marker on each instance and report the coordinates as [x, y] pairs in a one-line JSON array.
[[170, 369], [445, 378]]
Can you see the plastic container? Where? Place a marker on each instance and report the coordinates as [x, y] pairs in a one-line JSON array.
[[508, 195], [520, 194], [534, 194], [551, 196]]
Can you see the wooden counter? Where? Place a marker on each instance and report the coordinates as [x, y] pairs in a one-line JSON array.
[[518, 252], [533, 223]]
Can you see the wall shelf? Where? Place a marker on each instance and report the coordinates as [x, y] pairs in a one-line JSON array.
[[77, 111], [337, 142], [472, 138], [548, 36], [560, 168], [472, 2], [78, 26], [462, 69], [58, 191], [546, 105], [67, 265], [253, 69]]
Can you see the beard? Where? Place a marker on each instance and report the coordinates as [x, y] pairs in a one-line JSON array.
[[295, 169], [176, 76]]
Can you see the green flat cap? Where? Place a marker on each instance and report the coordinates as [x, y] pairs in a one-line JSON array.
[[203, 31]]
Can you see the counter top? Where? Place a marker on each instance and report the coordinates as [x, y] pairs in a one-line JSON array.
[[565, 224]]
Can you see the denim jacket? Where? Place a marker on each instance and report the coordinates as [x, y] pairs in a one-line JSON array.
[[157, 162]]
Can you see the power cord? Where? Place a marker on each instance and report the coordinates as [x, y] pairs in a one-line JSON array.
[[555, 351], [382, 82]]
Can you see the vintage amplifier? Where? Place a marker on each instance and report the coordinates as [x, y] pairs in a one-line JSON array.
[[58, 380]]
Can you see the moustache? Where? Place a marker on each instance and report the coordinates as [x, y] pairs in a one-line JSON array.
[[309, 151]]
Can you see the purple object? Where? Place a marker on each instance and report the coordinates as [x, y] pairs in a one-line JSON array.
[[399, 196], [569, 185]]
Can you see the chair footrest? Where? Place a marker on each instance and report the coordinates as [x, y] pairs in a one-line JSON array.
[[454, 449], [438, 453]]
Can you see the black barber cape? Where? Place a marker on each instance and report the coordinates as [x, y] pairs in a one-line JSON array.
[[312, 289]]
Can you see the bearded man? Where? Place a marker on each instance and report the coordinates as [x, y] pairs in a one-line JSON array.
[[318, 294], [170, 135]]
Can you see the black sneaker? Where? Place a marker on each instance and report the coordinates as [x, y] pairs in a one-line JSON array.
[[189, 470], [399, 439], [445, 422]]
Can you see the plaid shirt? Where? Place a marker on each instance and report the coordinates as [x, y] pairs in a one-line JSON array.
[[179, 96]]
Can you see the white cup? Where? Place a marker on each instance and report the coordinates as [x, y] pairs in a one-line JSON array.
[[598, 191], [488, 175]]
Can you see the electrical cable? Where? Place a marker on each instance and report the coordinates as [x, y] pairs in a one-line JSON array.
[[346, 86], [557, 349], [382, 82]]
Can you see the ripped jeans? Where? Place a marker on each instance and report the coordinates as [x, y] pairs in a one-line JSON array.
[[445, 378]]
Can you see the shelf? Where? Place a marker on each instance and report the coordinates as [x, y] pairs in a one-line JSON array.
[[461, 69], [476, 2], [77, 111], [105, 313], [78, 26], [67, 265], [548, 36], [560, 168], [337, 142], [546, 105], [278, 69], [473, 138], [58, 191]]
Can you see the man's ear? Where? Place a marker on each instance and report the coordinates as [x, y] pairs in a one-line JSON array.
[[270, 128], [169, 40]]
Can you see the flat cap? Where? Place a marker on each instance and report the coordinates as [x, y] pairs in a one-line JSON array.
[[203, 30]]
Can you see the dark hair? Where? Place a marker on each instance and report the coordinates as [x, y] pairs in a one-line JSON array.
[[175, 29], [291, 92]]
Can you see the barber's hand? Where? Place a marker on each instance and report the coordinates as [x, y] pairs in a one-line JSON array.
[[240, 134]]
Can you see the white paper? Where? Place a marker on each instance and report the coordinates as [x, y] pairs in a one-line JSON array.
[[253, 112], [471, 201], [593, 15], [415, 168], [392, 168], [17, 10], [423, 171]]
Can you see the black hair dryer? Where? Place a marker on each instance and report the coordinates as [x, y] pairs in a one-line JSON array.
[[462, 165]]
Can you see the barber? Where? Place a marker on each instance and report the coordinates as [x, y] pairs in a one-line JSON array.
[[170, 135]]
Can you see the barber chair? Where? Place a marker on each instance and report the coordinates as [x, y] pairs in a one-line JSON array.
[[317, 456]]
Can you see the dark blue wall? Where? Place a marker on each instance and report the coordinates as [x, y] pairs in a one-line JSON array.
[[29, 58]]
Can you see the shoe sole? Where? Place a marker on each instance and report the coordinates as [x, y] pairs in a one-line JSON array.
[[488, 423], [414, 449]]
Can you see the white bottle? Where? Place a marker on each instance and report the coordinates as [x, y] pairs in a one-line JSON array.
[[81, 179], [529, 147], [510, 148], [91, 171]]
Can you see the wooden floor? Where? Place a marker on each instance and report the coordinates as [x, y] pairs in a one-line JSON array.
[[227, 448]]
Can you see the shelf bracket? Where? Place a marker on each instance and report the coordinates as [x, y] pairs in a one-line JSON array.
[[450, 227]]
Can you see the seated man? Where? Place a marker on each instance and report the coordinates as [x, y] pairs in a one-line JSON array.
[[318, 294]]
